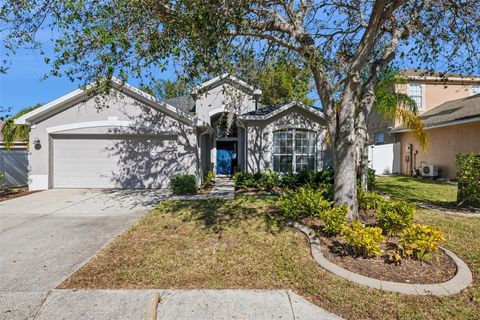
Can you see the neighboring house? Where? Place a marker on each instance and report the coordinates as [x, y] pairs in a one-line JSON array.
[[129, 139], [429, 90], [452, 128]]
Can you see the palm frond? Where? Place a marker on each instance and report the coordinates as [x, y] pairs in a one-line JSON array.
[[13, 132], [412, 122]]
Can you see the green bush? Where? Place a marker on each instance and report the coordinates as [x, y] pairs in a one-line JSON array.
[[334, 220], [371, 182], [364, 241], [184, 184], [208, 179], [420, 241], [268, 181], [394, 216], [244, 180], [468, 176], [305, 202], [370, 201]]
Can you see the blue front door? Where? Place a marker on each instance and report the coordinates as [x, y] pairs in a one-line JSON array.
[[224, 161]]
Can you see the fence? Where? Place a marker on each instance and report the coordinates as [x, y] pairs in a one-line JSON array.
[[14, 164], [385, 158]]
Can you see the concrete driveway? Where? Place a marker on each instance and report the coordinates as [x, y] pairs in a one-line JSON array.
[[46, 236]]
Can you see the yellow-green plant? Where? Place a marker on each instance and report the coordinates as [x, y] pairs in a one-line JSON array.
[[394, 216], [365, 241], [208, 179], [420, 241], [305, 202], [334, 220]]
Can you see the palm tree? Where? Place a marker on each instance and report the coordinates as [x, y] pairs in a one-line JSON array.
[[13, 132], [390, 106]]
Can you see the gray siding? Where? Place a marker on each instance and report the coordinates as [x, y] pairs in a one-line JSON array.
[[145, 125], [14, 165], [260, 138]]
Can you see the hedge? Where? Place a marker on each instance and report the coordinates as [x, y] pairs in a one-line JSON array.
[[468, 176]]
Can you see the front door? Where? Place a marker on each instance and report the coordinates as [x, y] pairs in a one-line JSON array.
[[225, 157]]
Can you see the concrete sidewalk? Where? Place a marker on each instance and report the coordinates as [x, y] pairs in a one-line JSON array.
[[180, 305]]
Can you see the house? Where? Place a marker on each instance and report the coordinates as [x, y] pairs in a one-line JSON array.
[[452, 128], [129, 139], [429, 90]]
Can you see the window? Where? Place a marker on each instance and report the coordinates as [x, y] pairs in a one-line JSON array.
[[293, 150], [415, 91], [379, 138], [474, 89]]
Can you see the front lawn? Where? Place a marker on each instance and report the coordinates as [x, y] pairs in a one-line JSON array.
[[418, 190], [241, 244]]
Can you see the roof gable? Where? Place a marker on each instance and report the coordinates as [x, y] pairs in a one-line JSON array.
[[224, 78], [270, 111], [79, 95]]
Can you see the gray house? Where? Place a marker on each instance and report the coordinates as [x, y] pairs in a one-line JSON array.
[[130, 139]]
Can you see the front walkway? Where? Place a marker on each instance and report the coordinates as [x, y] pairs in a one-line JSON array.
[[223, 188], [181, 305]]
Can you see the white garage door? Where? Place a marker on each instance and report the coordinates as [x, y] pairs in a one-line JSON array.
[[112, 163]]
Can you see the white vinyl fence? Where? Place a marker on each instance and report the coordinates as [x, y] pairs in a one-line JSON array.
[[14, 164], [385, 158]]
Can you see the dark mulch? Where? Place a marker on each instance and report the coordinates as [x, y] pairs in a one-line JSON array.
[[439, 268], [14, 193]]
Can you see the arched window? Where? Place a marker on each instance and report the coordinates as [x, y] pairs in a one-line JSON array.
[[294, 150]]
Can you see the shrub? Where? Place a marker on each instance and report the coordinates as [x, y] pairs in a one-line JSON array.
[[394, 216], [184, 184], [268, 180], [468, 176], [365, 241], [420, 241], [244, 180], [208, 179], [369, 200], [334, 220], [305, 202], [371, 182]]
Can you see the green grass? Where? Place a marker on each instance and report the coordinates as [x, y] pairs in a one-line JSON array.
[[240, 243], [418, 190]]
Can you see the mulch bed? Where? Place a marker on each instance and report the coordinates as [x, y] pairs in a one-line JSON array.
[[14, 193], [439, 268]]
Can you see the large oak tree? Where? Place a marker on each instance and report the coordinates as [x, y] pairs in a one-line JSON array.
[[345, 43]]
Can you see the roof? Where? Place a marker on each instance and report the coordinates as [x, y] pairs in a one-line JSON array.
[[432, 75], [266, 112], [184, 103], [222, 79], [450, 113], [80, 94]]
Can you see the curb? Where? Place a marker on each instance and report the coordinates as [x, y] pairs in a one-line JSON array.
[[462, 279]]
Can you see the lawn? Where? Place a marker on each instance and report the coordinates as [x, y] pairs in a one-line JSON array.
[[418, 190], [241, 243]]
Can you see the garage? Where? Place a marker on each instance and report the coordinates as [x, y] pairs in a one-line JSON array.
[[100, 161]]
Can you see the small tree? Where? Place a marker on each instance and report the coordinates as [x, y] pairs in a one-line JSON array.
[[16, 133]]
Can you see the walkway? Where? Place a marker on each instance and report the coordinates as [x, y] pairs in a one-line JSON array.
[[181, 305], [223, 188]]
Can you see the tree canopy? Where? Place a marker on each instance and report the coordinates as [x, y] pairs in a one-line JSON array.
[[346, 44]]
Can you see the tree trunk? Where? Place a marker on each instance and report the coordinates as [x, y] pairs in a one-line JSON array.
[[363, 165]]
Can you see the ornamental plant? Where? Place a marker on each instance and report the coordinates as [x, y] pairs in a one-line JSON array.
[[364, 241], [394, 216], [305, 202], [468, 176], [184, 184], [334, 220], [420, 241]]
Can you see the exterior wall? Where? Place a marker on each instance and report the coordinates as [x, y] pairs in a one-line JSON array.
[[260, 138], [218, 98], [444, 144], [116, 109], [434, 94]]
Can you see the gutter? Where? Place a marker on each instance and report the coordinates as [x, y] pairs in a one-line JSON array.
[[440, 125]]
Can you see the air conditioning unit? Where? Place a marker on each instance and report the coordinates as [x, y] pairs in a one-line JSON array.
[[429, 170]]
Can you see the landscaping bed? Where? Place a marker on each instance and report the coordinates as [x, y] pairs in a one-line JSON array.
[[439, 268], [12, 193]]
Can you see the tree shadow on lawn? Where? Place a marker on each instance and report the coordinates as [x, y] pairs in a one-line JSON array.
[[218, 215]]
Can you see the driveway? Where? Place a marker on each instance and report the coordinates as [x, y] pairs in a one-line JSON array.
[[46, 236]]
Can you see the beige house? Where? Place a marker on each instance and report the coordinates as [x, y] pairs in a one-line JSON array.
[[429, 91]]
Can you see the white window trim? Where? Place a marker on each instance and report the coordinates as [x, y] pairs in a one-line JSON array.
[[294, 154], [422, 85]]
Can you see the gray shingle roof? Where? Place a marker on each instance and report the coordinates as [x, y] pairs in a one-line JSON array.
[[451, 112], [184, 103]]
